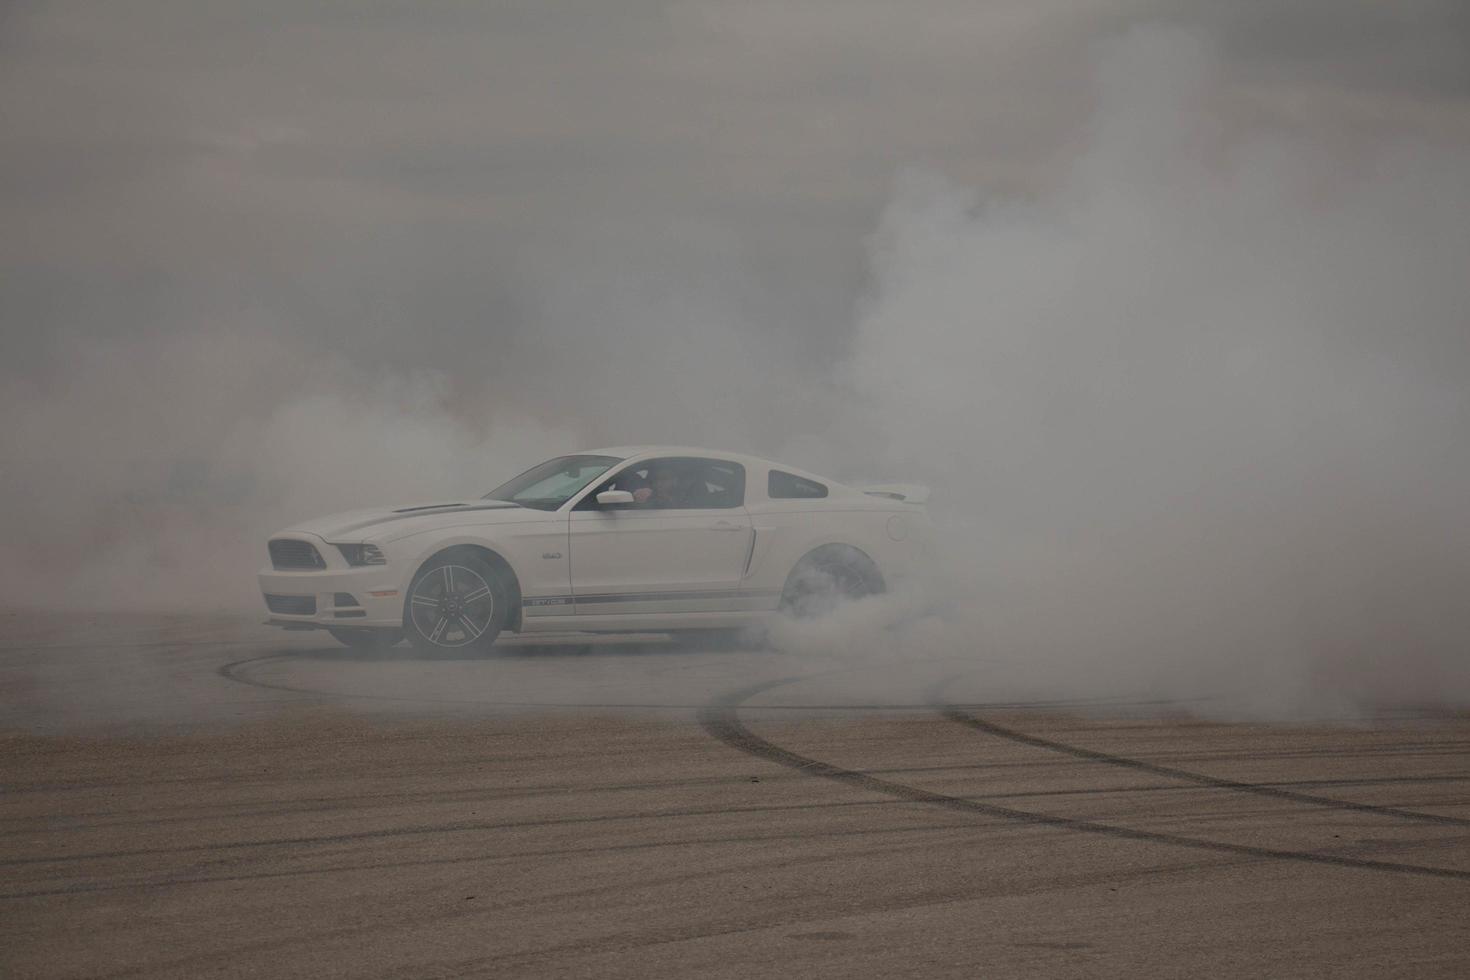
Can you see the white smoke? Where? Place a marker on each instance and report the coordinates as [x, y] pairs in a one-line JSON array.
[[1200, 410]]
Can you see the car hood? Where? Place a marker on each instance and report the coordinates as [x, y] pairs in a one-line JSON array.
[[358, 525]]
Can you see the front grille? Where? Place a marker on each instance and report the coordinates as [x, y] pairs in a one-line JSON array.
[[291, 605], [290, 553]]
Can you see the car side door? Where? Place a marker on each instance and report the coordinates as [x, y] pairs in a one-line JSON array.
[[670, 552]]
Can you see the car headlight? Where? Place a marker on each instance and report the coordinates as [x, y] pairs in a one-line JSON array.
[[362, 554]]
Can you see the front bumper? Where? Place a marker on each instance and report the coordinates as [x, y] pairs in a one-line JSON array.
[[318, 598]]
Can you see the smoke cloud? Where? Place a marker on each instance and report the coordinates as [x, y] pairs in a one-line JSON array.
[[1200, 409]]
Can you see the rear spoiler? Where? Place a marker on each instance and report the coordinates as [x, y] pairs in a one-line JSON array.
[[909, 493]]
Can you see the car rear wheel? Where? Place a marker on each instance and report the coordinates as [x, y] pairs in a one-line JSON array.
[[457, 602], [363, 639], [827, 578]]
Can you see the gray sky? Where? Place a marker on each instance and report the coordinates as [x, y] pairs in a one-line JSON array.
[[415, 183]]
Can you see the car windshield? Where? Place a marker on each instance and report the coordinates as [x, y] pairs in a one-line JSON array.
[[554, 482]]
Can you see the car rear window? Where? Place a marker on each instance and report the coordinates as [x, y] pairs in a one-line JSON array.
[[789, 486]]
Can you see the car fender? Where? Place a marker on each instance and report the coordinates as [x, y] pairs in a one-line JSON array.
[[537, 559]]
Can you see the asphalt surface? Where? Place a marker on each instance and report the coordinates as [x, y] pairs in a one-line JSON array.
[[188, 797]]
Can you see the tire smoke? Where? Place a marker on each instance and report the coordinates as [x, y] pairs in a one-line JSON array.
[[1197, 413]]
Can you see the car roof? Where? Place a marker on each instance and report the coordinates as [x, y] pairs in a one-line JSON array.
[[628, 452], [749, 462]]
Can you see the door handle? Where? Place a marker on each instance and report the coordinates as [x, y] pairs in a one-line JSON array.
[[727, 526]]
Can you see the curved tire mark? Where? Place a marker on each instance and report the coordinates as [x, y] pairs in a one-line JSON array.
[[720, 719], [239, 672], [955, 714]]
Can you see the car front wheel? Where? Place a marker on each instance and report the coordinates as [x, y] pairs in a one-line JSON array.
[[457, 603]]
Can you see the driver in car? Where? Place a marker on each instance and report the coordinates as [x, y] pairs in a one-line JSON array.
[[663, 490]]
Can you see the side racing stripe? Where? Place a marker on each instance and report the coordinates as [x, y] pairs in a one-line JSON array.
[[534, 602]]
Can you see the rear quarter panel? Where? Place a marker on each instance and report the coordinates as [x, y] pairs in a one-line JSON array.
[[786, 530]]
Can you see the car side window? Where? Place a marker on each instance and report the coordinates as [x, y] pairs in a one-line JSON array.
[[789, 486], [717, 484], [678, 483]]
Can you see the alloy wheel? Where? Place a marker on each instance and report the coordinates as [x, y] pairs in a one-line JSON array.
[[452, 606]]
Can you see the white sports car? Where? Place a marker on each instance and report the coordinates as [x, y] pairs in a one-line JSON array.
[[634, 539]]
